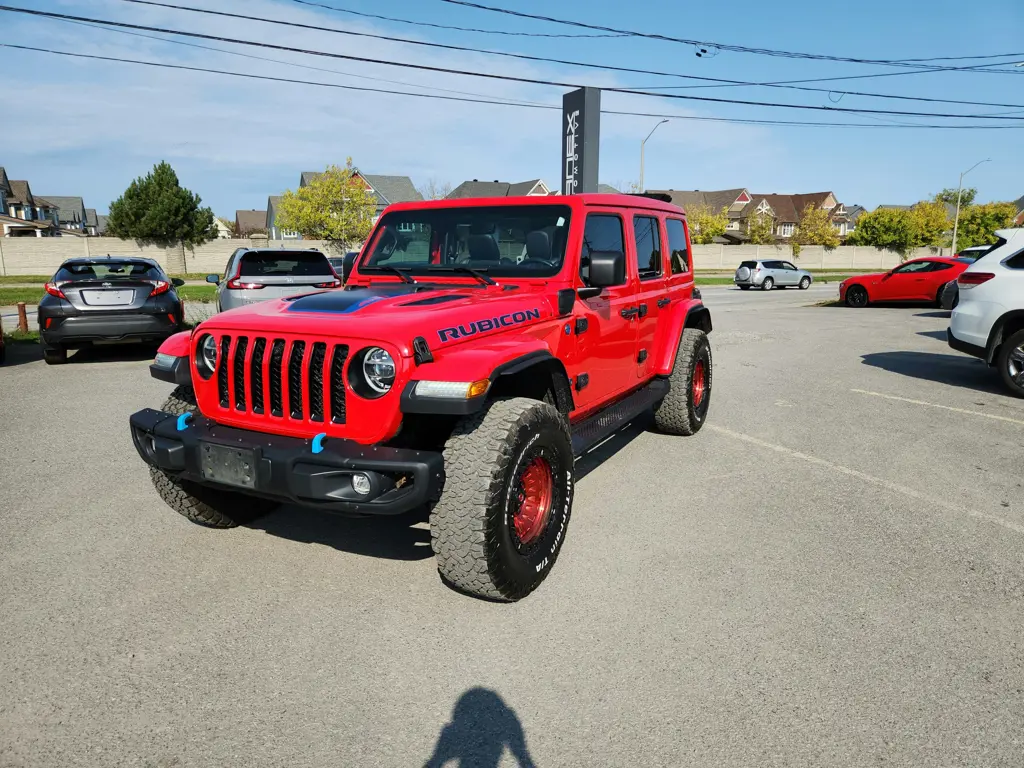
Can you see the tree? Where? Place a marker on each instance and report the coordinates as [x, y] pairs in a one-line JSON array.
[[761, 229], [435, 190], [156, 209], [948, 195], [815, 228], [931, 224], [978, 223], [889, 229], [337, 205], [705, 224]]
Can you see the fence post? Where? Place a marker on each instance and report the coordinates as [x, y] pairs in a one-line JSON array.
[[721, 255], [22, 317]]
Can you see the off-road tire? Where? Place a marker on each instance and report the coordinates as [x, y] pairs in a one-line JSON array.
[[55, 356], [856, 296], [471, 527], [1003, 361], [211, 507], [805, 283], [767, 284], [678, 414]]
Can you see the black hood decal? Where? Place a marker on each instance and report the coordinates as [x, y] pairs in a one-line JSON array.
[[347, 302]]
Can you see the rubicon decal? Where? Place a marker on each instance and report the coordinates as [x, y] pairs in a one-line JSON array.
[[481, 326]]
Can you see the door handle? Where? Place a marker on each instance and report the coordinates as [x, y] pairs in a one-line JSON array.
[[629, 313], [664, 302], [642, 310]]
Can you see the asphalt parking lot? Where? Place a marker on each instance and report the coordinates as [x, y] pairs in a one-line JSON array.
[[830, 573]]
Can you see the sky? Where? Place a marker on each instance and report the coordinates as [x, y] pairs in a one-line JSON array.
[[77, 127]]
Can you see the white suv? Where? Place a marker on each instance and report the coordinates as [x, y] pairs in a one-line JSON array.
[[989, 320]]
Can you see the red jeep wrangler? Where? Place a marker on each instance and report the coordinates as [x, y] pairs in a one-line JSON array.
[[478, 347]]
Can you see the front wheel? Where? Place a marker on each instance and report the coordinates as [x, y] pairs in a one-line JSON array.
[[768, 284], [1011, 363], [685, 407], [55, 356], [805, 283], [856, 297], [501, 519]]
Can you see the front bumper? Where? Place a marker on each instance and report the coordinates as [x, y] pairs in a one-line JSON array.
[[286, 468], [83, 329]]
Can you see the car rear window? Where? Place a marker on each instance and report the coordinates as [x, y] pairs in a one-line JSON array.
[[284, 264], [749, 264], [108, 270]]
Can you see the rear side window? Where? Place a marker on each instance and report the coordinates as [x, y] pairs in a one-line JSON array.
[[603, 232], [772, 264], [940, 266], [647, 236], [1016, 261], [284, 264], [677, 246], [108, 270]]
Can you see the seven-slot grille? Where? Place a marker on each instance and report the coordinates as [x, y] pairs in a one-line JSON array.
[[298, 380]]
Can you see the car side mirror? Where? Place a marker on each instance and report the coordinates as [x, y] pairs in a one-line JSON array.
[[347, 264], [213, 279], [177, 282], [607, 269]]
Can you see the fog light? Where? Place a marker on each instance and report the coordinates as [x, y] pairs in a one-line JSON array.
[[361, 484]]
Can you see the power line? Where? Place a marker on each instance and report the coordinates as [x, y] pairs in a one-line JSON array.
[[522, 105], [711, 44], [492, 76], [503, 32]]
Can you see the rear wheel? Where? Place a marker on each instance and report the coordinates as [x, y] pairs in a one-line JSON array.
[[685, 407], [1011, 363], [212, 507], [805, 283], [856, 296], [55, 356], [768, 284], [500, 522]]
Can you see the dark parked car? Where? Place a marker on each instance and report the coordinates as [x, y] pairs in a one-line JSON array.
[[950, 295], [107, 300], [338, 262]]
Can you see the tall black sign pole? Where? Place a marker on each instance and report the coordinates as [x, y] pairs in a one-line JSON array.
[[581, 139]]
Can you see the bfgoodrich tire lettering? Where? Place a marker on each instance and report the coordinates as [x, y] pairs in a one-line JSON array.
[[685, 408], [471, 526], [212, 507]]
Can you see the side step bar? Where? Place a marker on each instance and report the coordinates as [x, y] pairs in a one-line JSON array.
[[593, 429]]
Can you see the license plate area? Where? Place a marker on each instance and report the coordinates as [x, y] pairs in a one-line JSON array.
[[108, 298], [228, 465]]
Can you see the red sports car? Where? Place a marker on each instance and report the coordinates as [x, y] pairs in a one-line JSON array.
[[916, 280]]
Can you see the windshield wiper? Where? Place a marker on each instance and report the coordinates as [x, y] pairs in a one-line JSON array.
[[477, 273], [395, 271]]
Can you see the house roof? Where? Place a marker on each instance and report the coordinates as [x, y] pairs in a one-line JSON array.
[[477, 188], [251, 220], [272, 202], [101, 224], [90, 216], [21, 193], [782, 206], [714, 200], [608, 189], [4, 183], [854, 212], [72, 209], [42, 202]]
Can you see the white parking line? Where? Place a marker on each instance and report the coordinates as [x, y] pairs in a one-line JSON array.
[[871, 479], [936, 405]]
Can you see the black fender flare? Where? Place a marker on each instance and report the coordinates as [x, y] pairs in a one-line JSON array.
[[995, 336]]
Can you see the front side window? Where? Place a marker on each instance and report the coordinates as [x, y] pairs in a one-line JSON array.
[[647, 236], [677, 246], [502, 241]]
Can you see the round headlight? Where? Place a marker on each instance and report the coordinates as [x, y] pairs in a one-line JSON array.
[[206, 356], [378, 370]]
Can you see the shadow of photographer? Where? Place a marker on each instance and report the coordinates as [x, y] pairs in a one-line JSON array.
[[482, 727]]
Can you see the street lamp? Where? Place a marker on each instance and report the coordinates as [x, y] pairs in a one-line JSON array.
[[959, 191], [642, 153]]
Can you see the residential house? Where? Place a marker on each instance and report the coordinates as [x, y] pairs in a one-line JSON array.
[[787, 211], [477, 188], [387, 189], [91, 222], [22, 214], [249, 223], [225, 229], [732, 201], [1018, 220], [853, 213], [274, 231], [72, 212], [607, 189]]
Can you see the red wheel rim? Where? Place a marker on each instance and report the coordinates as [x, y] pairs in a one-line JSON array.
[[698, 384], [536, 487]]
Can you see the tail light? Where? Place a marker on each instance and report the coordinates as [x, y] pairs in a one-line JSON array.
[[974, 278], [160, 286], [54, 289], [235, 284], [331, 284]]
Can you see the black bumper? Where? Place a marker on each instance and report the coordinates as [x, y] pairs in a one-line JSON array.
[[963, 346], [286, 469], [83, 329]]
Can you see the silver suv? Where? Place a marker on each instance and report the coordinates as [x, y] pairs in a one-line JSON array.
[[259, 274], [771, 274]]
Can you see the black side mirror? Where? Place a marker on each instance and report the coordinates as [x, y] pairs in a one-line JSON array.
[[177, 282], [213, 279], [347, 264], [607, 268]]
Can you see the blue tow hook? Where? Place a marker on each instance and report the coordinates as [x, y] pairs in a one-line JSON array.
[[183, 421], [318, 442]]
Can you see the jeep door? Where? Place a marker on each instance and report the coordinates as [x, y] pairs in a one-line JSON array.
[[605, 350], [648, 256]]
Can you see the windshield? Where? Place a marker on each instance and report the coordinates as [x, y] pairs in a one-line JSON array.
[[502, 241], [284, 264], [108, 270]]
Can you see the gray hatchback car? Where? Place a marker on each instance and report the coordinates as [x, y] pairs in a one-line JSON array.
[[259, 274], [771, 273]]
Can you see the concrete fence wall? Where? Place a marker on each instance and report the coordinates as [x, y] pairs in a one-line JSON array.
[[42, 255]]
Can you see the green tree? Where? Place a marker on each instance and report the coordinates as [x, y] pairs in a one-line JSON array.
[[761, 229], [705, 224], [889, 229], [157, 209], [978, 223], [815, 228], [948, 195], [931, 224], [337, 206]]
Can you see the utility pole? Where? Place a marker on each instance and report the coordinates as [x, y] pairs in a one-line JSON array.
[[642, 143], [959, 192]]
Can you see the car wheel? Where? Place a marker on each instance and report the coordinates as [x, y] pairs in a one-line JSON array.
[[805, 283], [938, 297], [685, 407], [744, 287], [1011, 363], [55, 356], [500, 521], [211, 507], [956, 300], [856, 296], [768, 284]]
